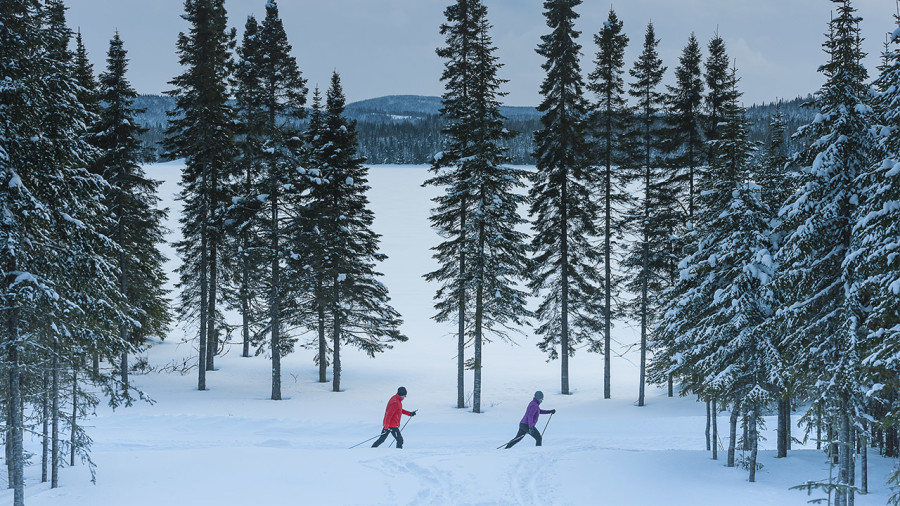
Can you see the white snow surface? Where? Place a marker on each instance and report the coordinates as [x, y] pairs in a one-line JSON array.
[[231, 445]]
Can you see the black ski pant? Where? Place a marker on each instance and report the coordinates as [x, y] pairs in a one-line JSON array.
[[384, 434], [525, 429]]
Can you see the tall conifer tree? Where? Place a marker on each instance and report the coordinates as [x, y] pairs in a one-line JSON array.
[[648, 260], [132, 202], [493, 250], [610, 120], [201, 130], [822, 311], [563, 208], [876, 258], [453, 208], [358, 305]]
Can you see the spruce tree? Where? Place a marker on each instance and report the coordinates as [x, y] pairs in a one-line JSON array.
[[453, 207], [684, 116], [649, 260], [499, 258], [246, 292], [493, 250], [132, 203], [875, 259], [609, 120], [716, 76], [201, 131], [358, 306], [281, 97], [563, 209], [315, 257], [822, 308], [23, 214], [721, 300], [59, 298]]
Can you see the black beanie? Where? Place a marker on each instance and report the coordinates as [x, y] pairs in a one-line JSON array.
[[401, 391]]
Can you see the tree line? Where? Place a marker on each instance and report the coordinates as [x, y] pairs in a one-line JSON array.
[[762, 275]]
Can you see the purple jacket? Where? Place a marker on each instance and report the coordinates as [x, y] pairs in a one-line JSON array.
[[531, 414]]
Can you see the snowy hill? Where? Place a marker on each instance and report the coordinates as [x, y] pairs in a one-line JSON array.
[[230, 445]]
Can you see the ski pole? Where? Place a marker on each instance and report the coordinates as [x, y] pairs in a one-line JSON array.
[[545, 426], [401, 429], [366, 441]]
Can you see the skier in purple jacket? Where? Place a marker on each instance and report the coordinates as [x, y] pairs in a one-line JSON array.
[[527, 425]]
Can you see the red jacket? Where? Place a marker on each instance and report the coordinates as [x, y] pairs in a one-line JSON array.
[[392, 412]]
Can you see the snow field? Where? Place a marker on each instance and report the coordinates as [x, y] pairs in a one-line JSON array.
[[231, 445]]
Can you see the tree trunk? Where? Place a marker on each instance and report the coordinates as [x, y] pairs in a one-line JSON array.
[[16, 423], [645, 270], [123, 329], [275, 295], [123, 370], [95, 366], [245, 301], [323, 344], [732, 427], [204, 291], [708, 424], [45, 425], [715, 430], [212, 339], [783, 424], [479, 312], [74, 424], [844, 450], [564, 276], [54, 401], [864, 464], [336, 363], [754, 443], [607, 260], [461, 321]]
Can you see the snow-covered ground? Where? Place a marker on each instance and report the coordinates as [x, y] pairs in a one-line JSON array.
[[231, 445]]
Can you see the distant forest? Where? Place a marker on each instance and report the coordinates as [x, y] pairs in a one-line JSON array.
[[406, 129]]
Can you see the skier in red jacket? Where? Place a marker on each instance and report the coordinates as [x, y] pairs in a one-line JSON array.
[[392, 414]]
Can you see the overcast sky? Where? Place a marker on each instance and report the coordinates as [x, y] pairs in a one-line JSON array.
[[387, 47]]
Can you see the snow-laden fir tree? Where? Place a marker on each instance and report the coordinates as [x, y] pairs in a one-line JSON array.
[[89, 96], [491, 252], [132, 204], [563, 209], [201, 131], [358, 306], [822, 309], [684, 146], [274, 145], [722, 297], [610, 118], [648, 260], [60, 299], [453, 207], [776, 184], [876, 259]]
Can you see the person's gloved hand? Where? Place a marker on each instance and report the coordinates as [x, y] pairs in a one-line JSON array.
[[552, 411], [413, 413]]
